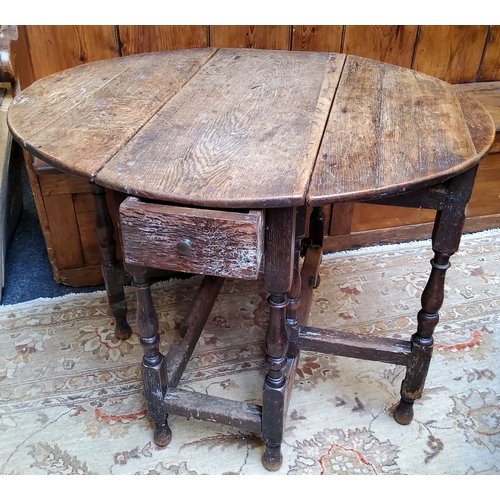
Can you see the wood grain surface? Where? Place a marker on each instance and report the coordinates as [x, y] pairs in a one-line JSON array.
[[151, 38], [276, 37], [451, 53], [214, 242], [68, 46], [244, 133], [248, 128], [490, 66], [390, 44], [389, 128], [78, 119], [317, 38], [488, 94]]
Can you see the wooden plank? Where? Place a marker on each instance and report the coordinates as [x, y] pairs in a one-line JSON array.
[[192, 240], [89, 100], [352, 345], [482, 131], [234, 117], [155, 38], [488, 94], [68, 46], [236, 414], [182, 348], [366, 217], [64, 231], [402, 234], [84, 276], [86, 218], [371, 146], [50, 98], [451, 53], [341, 219], [490, 67], [390, 44], [56, 184], [88, 239], [317, 38], [251, 37], [42, 214], [432, 198], [485, 197]]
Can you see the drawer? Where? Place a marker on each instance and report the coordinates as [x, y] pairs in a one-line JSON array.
[[192, 240]]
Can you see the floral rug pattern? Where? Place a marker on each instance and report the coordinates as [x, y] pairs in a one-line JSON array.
[[71, 400]]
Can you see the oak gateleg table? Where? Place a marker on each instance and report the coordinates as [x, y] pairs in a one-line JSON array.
[[215, 155]]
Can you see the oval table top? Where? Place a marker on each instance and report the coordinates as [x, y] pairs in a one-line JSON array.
[[247, 128]]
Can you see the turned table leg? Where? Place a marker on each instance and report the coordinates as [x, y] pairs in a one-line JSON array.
[[280, 229], [111, 268], [292, 311], [445, 242], [154, 366]]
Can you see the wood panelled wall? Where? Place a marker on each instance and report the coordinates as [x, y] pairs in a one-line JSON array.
[[457, 54]]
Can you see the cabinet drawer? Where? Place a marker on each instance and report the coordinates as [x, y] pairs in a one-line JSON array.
[[192, 240]]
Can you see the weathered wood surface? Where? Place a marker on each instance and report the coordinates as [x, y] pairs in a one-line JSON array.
[[390, 130], [480, 128], [213, 409], [99, 107], [243, 133], [353, 345], [190, 329], [244, 128], [212, 242], [488, 94]]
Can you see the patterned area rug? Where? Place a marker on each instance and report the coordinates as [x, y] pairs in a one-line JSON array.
[[71, 402]]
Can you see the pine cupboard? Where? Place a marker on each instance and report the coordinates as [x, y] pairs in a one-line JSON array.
[[468, 56]]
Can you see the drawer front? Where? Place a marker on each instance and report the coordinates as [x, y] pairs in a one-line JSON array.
[[192, 240]]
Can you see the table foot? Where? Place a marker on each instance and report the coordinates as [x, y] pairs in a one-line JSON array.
[[123, 331], [162, 434], [112, 270], [404, 412], [272, 458]]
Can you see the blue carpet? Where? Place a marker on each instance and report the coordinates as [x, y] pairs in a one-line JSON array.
[[28, 273]]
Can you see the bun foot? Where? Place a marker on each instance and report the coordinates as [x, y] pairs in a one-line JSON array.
[[404, 412], [272, 458], [122, 329], [162, 434]]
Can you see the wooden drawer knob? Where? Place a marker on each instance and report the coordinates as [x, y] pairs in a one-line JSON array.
[[184, 247]]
